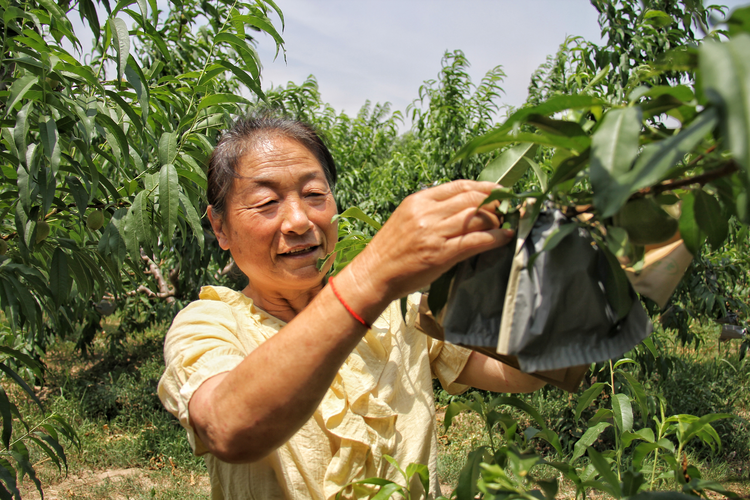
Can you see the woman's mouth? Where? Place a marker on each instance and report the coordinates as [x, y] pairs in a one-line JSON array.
[[300, 252]]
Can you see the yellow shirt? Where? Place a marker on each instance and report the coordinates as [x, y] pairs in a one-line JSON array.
[[380, 402]]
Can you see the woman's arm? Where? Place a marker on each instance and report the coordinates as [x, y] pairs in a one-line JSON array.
[[246, 413], [483, 372]]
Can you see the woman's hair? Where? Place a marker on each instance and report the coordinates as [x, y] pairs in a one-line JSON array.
[[244, 135]]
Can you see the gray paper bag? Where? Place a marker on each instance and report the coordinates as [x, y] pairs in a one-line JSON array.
[[552, 316]]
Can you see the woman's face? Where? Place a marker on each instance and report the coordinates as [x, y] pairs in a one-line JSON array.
[[277, 221]]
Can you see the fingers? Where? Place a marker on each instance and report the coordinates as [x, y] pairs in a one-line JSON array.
[[466, 245], [451, 189], [469, 220]]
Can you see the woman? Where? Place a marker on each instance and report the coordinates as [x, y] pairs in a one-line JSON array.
[[297, 386]]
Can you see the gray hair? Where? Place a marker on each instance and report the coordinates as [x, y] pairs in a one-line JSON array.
[[244, 135]]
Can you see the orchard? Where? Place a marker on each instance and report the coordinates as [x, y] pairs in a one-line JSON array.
[[642, 140]]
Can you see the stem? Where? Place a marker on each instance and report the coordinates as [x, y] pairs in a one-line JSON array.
[[203, 72], [617, 431], [28, 433], [727, 169]]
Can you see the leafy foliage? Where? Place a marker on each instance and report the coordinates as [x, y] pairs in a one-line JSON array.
[[122, 136]]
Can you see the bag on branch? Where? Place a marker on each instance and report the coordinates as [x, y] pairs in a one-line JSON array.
[[552, 318]]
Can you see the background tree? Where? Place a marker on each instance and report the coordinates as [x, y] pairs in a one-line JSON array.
[[103, 168]]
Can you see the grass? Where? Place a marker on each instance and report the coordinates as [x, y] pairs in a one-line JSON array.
[[133, 449], [109, 396]]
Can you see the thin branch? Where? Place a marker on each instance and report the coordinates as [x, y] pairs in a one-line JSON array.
[[727, 169]]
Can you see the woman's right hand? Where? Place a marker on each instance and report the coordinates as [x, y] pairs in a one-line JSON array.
[[428, 233]]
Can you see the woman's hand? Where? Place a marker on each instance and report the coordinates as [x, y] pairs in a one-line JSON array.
[[427, 234]]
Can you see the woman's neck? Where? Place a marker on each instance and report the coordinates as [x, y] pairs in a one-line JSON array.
[[283, 304]]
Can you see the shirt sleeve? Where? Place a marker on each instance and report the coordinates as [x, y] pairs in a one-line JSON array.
[[201, 343], [447, 361]]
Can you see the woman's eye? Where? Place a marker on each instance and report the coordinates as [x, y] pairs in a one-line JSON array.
[[265, 204]]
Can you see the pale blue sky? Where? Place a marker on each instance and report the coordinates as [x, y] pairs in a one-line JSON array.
[[382, 50]]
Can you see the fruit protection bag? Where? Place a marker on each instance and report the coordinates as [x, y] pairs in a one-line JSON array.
[[550, 316], [662, 270]]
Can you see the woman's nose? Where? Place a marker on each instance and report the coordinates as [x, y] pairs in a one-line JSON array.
[[294, 217]]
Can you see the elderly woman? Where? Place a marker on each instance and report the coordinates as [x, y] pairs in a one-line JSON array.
[[299, 385]]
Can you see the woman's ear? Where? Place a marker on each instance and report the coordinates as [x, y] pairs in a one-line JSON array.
[[217, 223]]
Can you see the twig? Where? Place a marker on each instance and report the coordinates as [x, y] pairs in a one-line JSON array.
[[727, 169]]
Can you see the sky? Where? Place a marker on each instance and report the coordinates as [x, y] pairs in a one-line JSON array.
[[383, 50]]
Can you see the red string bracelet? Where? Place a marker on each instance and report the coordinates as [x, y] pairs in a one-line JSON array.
[[346, 306]]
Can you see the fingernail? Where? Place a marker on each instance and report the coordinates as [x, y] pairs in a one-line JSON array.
[[509, 232]]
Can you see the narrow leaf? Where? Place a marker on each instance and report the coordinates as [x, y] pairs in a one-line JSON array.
[[507, 168], [710, 218], [614, 146], [688, 225], [167, 147], [169, 200], [589, 437], [623, 412], [122, 45], [357, 213], [587, 397], [18, 90], [59, 277], [605, 471]]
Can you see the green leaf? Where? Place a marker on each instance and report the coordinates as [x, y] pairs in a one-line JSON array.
[[616, 285], [689, 230], [605, 471], [540, 174], [59, 277], [658, 18], [46, 449], [80, 195], [466, 489], [569, 168], [120, 142], [193, 219], [263, 25], [515, 402], [169, 200], [614, 147], [21, 455], [7, 418], [424, 475], [623, 412], [739, 21], [122, 45], [49, 136], [588, 397], [507, 168], [636, 388], [251, 82], [710, 219], [703, 423], [725, 79], [220, 100], [22, 383], [644, 434], [137, 80], [550, 107], [167, 148], [18, 90], [589, 437], [8, 476], [138, 227], [658, 158], [452, 410], [357, 213]]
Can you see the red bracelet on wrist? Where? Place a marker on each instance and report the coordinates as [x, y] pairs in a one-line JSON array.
[[346, 306]]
